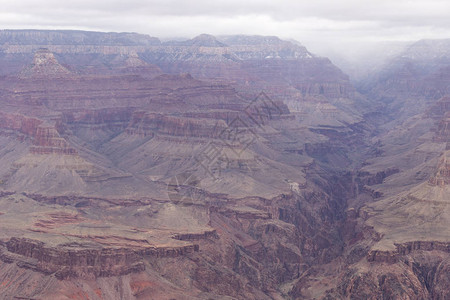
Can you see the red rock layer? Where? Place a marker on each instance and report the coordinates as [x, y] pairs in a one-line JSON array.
[[46, 139], [406, 248], [76, 261], [20, 123]]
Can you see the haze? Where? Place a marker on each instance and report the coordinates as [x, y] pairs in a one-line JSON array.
[[316, 24]]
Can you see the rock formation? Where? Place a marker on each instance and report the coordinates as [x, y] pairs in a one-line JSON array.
[[241, 167], [44, 65]]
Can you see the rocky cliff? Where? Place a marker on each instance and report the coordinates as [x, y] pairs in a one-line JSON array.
[[45, 138], [74, 261]]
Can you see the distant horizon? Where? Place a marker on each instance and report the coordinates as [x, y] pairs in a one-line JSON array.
[[322, 26], [352, 61], [178, 37], [186, 38]]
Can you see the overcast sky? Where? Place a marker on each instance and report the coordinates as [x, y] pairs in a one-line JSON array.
[[315, 23]]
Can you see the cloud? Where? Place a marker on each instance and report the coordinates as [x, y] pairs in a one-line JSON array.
[[314, 23]]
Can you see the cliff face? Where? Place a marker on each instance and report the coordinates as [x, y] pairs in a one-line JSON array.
[[45, 138], [405, 249], [67, 262], [48, 141], [73, 263], [23, 124], [147, 124]]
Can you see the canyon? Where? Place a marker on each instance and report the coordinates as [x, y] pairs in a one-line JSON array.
[[230, 167]]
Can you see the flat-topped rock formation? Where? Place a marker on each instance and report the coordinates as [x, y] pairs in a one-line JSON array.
[[64, 37]]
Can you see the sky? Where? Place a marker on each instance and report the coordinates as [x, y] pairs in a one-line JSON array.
[[317, 24]]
